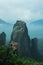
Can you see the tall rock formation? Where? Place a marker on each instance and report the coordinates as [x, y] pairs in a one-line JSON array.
[[20, 35], [34, 49], [2, 38]]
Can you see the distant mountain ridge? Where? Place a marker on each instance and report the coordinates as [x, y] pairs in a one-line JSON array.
[[3, 22], [7, 28], [37, 22]]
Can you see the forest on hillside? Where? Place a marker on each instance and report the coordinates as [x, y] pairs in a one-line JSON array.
[[12, 59]]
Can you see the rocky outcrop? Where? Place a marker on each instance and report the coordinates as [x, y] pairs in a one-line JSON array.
[[2, 38], [20, 35], [34, 49], [14, 47]]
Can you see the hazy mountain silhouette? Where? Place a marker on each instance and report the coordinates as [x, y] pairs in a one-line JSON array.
[[36, 28], [37, 22], [6, 27], [4, 22]]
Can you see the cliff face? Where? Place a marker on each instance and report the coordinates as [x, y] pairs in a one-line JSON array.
[[20, 35]]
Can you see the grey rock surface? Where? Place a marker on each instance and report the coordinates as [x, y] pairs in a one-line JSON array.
[[20, 35]]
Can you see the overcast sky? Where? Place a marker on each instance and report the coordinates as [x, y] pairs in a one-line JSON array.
[[11, 10]]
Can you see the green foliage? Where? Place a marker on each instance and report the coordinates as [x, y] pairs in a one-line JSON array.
[[12, 59]]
